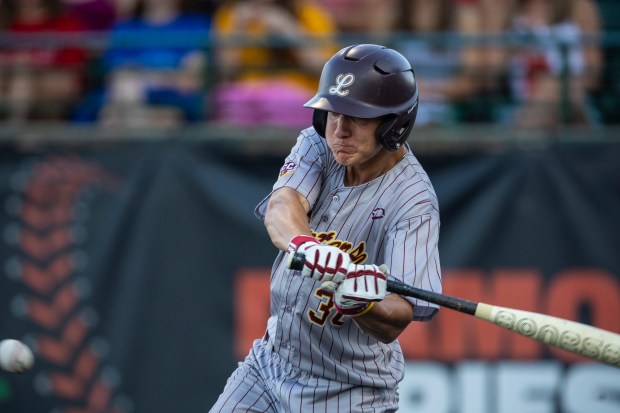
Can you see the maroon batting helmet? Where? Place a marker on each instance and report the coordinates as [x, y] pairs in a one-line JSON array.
[[369, 81]]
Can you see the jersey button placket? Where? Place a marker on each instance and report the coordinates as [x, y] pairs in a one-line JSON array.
[[286, 313]]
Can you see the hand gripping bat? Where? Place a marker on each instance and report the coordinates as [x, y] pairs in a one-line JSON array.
[[582, 339]]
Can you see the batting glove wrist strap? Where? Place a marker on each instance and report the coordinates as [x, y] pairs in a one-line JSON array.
[[355, 311], [296, 242]]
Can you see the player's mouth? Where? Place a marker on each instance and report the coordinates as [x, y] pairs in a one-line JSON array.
[[338, 147]]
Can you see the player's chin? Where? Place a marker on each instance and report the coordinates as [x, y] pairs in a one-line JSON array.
[[344, 157]]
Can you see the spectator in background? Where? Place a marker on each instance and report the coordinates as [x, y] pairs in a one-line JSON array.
[[124, 9], [40, 83], [155, 66], [449, 68], [363, 17], [548, 87], [97, 15], [269, 81]]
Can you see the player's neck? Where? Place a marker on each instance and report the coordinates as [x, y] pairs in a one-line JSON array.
[[374, 167]]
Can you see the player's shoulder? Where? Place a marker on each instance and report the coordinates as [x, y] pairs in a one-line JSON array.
[[412, 185], [309, 139], [410, 169], [311, 134]]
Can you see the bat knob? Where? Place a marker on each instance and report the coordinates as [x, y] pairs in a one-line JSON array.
[[296, 261]]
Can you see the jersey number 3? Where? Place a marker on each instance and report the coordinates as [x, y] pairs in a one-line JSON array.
[[321, 314]]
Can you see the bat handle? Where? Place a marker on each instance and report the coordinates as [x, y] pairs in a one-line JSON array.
[[296, 261]]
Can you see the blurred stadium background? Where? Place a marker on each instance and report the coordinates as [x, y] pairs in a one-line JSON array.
[[132, 263]]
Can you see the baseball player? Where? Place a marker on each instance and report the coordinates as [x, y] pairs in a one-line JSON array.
[[350, 197]]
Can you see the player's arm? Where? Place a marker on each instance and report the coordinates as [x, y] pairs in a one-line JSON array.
[[286, 216], [286, 219], [387, 318]]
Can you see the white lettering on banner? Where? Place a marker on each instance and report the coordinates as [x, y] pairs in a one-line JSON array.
[[591, 388], [473, 396], [527, 387], [426, 388], [510, 387]]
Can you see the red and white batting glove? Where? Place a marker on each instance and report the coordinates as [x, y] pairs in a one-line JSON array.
[[323, 262], [363, 286]]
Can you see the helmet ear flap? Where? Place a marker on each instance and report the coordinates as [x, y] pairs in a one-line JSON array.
[[319, 121], [389, 132], [383, 130], [392, 132]]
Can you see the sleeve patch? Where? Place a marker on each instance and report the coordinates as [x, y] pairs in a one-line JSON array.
[[288, 169]]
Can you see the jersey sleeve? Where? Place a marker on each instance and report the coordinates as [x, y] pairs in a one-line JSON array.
[[413, 258], [302, 170]]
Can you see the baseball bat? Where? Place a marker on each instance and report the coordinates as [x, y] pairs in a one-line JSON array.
[[578, 338]]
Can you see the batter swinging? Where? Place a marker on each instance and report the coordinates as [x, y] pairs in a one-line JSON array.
[[350, 196]]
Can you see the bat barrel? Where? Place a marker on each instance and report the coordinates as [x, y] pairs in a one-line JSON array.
[[578, 338]]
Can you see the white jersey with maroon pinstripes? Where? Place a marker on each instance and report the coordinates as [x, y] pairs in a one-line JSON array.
[[394, 219]]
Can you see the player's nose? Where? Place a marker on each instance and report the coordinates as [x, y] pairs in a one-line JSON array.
[[343, 127]]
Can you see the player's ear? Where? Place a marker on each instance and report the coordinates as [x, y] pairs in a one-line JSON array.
[[319, 121]]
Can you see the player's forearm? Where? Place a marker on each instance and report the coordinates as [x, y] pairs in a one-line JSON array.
[[286, 217], [387, 319]]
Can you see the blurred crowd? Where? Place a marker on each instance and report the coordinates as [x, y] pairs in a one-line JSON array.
[[153, 63]]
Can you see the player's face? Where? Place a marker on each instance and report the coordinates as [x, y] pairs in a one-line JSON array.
[[352, 140]]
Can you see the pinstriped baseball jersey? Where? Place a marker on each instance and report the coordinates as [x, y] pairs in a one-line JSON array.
[[393, 219]]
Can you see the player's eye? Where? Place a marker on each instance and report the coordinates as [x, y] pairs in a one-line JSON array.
[[338, 116], [333, 115]]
